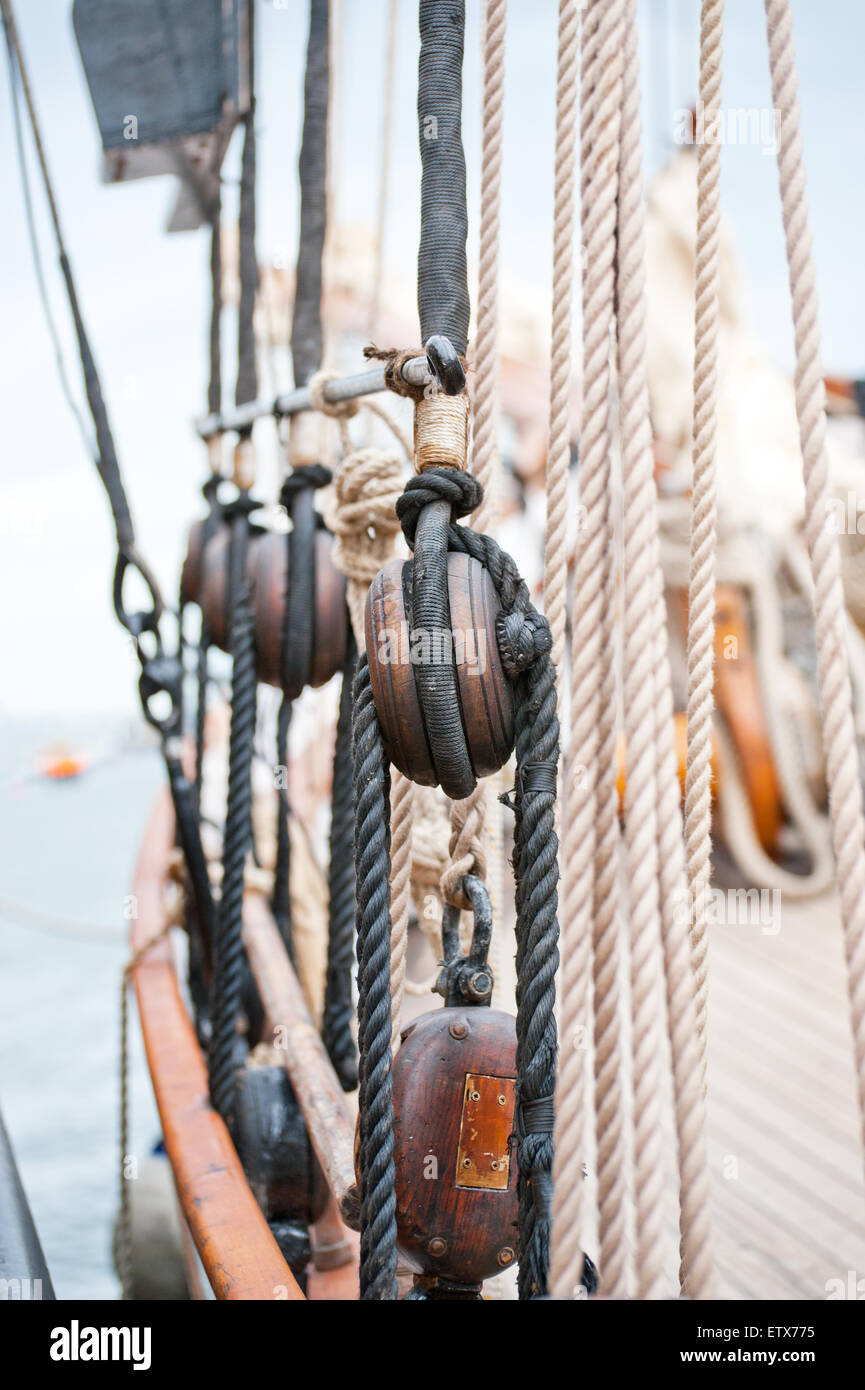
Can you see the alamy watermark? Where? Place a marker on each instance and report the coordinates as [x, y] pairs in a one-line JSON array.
[[729, 125], [443, 646]]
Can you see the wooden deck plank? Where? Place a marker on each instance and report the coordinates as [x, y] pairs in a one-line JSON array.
[[782, 1101]]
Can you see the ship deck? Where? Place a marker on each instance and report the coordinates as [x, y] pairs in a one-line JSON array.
[[784, 1142]]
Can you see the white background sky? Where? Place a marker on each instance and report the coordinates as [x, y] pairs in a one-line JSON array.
[[144, 294]]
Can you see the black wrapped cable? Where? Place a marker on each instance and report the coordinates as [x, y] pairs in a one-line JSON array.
[[338, 1008], [229, 960], [306, 329], [378, 1256], [442, 279]]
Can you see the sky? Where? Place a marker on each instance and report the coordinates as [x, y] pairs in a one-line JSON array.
[[144, 293]]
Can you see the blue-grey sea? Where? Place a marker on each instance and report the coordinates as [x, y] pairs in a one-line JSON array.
[[68, 849]]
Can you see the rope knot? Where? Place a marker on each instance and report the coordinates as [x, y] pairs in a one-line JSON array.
[[461, 490], [337, 410], [523, 637], [313, 475], [363, 519]]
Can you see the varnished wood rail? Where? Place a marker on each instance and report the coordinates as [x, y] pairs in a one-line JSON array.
[[239, 1254]]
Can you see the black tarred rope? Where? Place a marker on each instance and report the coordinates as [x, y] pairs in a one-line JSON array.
[[372, 864], [229, 959], [338, 1007]]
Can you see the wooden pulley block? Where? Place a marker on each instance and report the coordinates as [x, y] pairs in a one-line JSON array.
[[454, 1088], [485, 701], [205, 581]]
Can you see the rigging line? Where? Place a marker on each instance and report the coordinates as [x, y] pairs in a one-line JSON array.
[[31, 918], [247, 375], [442, 275], [384, 169], [306, 327], [36, 253], [106, 456]]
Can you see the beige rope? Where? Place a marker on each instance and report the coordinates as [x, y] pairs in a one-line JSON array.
[[559, 445], [842, 772], [601, 49], [652, 792], [703, 546], [641, 793], [366, 488], [401, 801], [384, 167], [466, 854], [485, 456], [687, 1046], [476, 823]]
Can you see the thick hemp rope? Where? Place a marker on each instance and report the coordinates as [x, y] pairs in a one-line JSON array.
[[559, 439], [642, 556], [839, 735], [601, 43], [703, 545]]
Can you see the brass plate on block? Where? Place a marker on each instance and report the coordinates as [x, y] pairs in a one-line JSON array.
[[483, 1154]]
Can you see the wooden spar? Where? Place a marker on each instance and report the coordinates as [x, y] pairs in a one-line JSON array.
[[309, 1068], [239, 1254]]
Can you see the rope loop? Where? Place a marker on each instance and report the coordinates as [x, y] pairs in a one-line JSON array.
[[461, 490], [337, 410], [313, 475]]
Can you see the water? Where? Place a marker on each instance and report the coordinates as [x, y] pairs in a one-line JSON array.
[[69, 849]]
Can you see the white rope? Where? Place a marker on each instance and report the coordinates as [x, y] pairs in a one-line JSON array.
[[701, 589], [842, 769], [601, 75]]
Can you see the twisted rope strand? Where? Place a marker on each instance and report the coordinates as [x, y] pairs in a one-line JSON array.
[[703, 543], [559, 444], [601, 43], [839, 741], [375, 1124]]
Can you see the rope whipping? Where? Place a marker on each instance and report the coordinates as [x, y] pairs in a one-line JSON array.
[[229, 958]]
